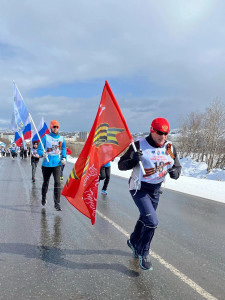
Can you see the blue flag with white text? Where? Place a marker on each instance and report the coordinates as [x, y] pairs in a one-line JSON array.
[[21, 113]]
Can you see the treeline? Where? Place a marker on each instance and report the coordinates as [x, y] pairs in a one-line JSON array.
[[6, 141], [203, 136]]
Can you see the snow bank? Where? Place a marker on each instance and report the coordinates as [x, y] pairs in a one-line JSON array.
[[194, 180]]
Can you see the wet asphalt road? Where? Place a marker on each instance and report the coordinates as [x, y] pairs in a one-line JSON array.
[[46, 254]]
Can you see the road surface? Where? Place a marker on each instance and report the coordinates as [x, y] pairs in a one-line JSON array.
[[45, 254]]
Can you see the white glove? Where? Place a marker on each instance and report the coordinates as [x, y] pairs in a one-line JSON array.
[[63, 161], [45, 154]]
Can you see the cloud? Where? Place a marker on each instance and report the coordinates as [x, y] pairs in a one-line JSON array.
[[176, 48], [80, 112]]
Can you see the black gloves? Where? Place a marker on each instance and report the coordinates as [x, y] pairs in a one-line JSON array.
[[173, 173], [137, 155]]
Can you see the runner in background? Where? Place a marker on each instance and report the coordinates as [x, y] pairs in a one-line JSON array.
[[13, 150], [22, 151], [25, 150], [34, 159], [7, 152], [3, 151], [105, 175], [68, 152]]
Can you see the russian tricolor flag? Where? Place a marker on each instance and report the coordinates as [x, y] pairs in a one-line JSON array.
[[26, 135], [18, 140], [42, 130]]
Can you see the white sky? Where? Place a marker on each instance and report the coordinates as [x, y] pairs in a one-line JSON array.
[[161, 58]]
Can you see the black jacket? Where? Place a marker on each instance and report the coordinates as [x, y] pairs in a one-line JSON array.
[[127, 162], [33, 158]]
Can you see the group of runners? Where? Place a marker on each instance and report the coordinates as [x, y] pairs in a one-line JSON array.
[[52, 149], [153, 154], [5, 152], [10, 151], [13, 150]]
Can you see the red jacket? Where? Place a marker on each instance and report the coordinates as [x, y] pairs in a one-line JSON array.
[[68, 151]]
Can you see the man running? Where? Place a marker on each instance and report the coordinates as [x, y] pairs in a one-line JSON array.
[[159, 158], [54, 156]]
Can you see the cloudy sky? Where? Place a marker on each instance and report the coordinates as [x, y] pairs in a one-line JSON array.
[[161, 58]]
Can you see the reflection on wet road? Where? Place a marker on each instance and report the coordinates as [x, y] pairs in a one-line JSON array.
[[50, 242]]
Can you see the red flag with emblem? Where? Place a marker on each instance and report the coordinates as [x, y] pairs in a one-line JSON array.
[[109, 137]]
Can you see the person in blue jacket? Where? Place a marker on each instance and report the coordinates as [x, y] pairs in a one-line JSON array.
[[3, 151], [54, 156], [105, 175], [13, 150]]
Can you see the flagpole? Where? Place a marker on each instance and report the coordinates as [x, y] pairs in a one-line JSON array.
[[30, 154], [140, 163], [22, 139], [38, 135]]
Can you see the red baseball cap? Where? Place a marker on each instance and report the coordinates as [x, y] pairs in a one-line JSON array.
[[160, 124], [54, 123]]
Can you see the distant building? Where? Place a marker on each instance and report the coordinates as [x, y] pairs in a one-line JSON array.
[[70, 140], [76, 136], [83, 135]]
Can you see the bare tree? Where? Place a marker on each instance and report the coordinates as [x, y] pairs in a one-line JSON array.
[[203, 135], [214, 120], [190, 134]]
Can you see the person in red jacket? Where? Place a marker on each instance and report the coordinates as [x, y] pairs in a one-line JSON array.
[[68, 152]]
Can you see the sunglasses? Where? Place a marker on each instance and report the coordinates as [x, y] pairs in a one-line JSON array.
[[55, 126], [160, 132]]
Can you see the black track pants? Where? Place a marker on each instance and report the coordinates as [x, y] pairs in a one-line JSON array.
[[47, 172], [105, 175]]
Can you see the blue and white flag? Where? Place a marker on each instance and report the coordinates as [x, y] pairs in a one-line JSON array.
[[21, 113], [13, 123]]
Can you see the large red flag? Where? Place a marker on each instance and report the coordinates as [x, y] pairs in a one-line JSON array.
[[109, 137]]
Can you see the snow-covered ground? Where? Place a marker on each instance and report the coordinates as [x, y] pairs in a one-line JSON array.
[[194, 180]]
